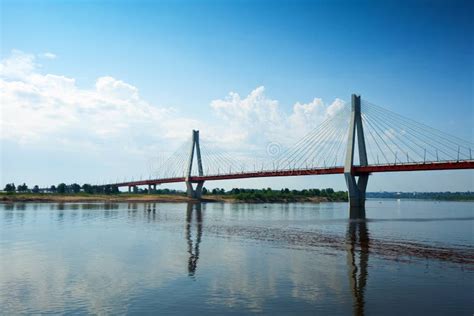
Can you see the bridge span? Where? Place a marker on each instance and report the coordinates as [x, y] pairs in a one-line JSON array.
[[430, 166], [356, 142]]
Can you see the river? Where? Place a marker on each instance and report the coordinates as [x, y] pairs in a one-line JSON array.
[[408, 257]]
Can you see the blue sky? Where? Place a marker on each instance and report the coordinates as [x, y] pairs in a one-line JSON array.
[[413, 57]]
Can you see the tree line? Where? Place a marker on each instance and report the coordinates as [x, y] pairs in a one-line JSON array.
[[267, 194], [442, 196], [271, 195], [62, 188], [76, 188]]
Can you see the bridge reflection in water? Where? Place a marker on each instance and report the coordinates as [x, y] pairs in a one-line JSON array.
[[193, 246], [357, 245]]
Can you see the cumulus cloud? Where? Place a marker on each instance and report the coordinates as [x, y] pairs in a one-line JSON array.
[[116, 89], [258, 118], [309, 115], [18, 66], [51, 110]]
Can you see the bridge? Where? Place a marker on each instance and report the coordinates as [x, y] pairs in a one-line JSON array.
[[358, 140]]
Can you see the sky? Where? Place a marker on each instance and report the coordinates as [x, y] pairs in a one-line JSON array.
[[95, 91]]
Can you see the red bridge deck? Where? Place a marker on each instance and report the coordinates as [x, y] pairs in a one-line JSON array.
[[445, 165]]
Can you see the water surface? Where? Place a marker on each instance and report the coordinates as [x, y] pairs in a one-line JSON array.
[[408, 257]]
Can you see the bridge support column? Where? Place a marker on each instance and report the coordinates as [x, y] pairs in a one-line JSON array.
[[357, 195], [356, 187], [129, 189], [149, 189], [191, 192], [194, 193]]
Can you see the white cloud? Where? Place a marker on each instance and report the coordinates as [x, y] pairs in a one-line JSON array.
[[116, 89], [48, 55], [18, 65], [50, 110], [309, 115], [259, 119]]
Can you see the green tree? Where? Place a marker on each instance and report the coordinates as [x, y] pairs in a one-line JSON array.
[[75, 188], [10, 188], [204, 191], [62, 188], [98, 189], [35, 189], [53, 189], [107, 189], [87, 188], [22, 188]]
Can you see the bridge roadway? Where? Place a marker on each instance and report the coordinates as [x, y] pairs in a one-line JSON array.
[[444, 165]]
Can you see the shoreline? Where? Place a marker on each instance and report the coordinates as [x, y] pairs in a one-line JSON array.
[[142, 198], [7, 198]]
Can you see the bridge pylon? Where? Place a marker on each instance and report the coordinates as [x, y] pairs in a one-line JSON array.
[[197, 192], [356, 187]]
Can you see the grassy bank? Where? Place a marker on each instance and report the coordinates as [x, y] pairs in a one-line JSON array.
[[244, 197], [86, 197]]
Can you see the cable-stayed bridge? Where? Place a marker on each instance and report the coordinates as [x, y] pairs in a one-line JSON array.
[[358, 140]]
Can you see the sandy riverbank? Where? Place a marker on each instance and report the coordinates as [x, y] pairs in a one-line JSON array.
[[137, 198]]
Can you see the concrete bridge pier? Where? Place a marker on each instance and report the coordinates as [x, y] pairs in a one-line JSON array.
[[194, 193], [132, 188], [357, 195], [356, 188]]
